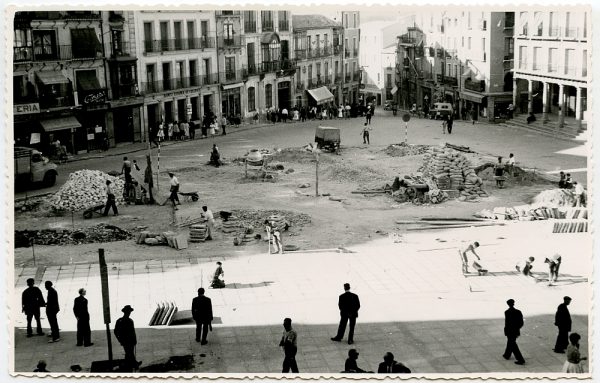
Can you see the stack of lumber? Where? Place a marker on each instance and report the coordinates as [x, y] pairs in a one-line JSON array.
[[163, 315], [231, 226], [198, 233], [446, 223], [570, 226]]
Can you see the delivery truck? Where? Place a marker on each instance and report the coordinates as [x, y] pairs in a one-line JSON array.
[[31, 167]]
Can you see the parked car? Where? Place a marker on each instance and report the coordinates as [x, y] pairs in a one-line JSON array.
[[440, 110]]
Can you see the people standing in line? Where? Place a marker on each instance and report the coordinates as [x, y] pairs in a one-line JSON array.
[[174, 189], [562, 320], [579, 199], [160, 136], [218, 281], [80, 309], [289, 342], [170, 131], [465, 259], [31, 301], [52, 309], [110, 200], [553, 267], [365, 134], [574, 358], [176, 131], [125, 334], [390, 366], [351, 365], [349, 304], [524, 267], [210, 222], [513, 322], [203, 315]]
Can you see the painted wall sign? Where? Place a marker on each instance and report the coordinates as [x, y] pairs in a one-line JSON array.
[[33, 107]]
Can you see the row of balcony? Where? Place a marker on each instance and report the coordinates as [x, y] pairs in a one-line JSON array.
[[269, 66], [58, 15], [303, 54], [171, 45], [318, 82], [553, 68], [55, 52], [554, 33], [178, 83], [354, 52]]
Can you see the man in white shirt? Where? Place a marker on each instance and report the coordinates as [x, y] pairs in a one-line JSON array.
[[511, 164], [174, 190], [210, 222]]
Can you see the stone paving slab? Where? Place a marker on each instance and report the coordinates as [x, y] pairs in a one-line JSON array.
[[415, 303]]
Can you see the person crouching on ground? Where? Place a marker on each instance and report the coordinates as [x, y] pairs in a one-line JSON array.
[[218, 281], [524, 267]]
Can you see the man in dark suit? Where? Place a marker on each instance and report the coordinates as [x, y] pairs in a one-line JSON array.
[[562, 320], [390, 366], [31, 301], [125, 333], [513, 321], [80, 309], [203, 315], [349, 305], [52, 309]]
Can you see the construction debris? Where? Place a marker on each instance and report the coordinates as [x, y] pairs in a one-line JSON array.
[[403, 149], [95, 234], [167, 238], [452, 170], [198, 233], [85, 189], [555, 197]]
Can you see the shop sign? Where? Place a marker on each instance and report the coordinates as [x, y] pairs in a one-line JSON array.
[[97, 96], [98, 129], [90, 136], [35, 138], [33, 107]]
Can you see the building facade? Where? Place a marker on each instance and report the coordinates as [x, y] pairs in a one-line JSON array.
[[318, 53], [268, 66], [552, 56], [178, 66], [351, 66], [60, 79], [461, 57]]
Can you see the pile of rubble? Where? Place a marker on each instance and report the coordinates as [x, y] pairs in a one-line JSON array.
[[256, 218], [450, 169], [403, 149], [555, 197], [93, 234], [85, 189], [167, 238]]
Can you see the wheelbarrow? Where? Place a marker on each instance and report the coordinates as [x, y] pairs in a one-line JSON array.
[[190, 196], [89, 212]]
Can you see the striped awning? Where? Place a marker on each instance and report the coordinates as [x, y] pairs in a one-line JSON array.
[[321, 95]]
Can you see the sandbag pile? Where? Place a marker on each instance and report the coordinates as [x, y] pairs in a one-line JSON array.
[[85, 189], [436, 196], [452, 170]]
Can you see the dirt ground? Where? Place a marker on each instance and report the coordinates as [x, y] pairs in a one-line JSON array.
[[338, 218]]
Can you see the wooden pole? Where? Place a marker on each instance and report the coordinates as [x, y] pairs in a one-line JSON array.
[[105, 300], [33, 249], [406, 132], [158, 167], [317, 176]]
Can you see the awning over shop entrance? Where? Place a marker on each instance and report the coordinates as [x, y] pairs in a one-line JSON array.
[[51, 78], [474, 97], [60, 124], [87, 80], [321, 95]]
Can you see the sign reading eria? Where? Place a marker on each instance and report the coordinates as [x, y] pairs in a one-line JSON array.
[[26, 108]]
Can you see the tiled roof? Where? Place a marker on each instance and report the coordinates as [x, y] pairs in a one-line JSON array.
[[312, 22]]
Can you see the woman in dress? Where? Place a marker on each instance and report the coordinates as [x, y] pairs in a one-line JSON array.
[[574, 358]]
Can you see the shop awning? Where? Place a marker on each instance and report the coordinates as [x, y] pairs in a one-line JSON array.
[[51, 77], [370, 88], [60, 124], [85, 43], [87, 80], [269, 38], [321, 95], [474, 97]]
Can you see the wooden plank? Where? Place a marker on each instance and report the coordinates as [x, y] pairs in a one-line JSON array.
[[452, 226]]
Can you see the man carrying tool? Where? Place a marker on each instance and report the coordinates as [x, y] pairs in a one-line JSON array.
[[465, 259]]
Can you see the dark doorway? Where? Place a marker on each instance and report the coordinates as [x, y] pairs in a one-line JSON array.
[[123, 123], [283, 95], [207, 103]]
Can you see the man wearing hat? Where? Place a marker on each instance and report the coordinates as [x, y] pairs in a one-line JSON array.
[[351, 365], [562, 320], [203, 315], [349, 304], [31, 301], [125, 333], [513, 321]]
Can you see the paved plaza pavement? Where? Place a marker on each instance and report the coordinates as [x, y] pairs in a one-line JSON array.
[[415, 302]]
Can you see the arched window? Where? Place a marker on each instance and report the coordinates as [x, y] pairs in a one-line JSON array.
[[268, 95], [251, 100]]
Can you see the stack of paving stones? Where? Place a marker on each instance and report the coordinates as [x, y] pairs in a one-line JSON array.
[[452, 170], [231, 226], [198, 232]]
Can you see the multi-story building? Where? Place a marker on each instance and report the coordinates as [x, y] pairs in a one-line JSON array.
[[60, 78], [466, 60], [351, 65], [318, 53], [177, 62], [551, 64], [267, 64], [378, 56]]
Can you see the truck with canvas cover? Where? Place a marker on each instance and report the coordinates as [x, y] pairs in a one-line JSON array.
[[328, 138], [32, 167]]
